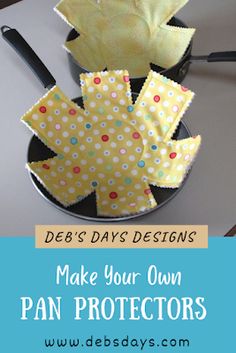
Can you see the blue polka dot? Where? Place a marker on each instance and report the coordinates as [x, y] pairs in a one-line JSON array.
[[141, 164], [57, 97], [130, 108], [60, 156], [154, 147], [128, 181], [73, 140], [88, 126], [118, 123], [94, 184]]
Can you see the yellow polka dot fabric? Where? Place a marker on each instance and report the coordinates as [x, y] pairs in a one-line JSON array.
[[125, 34], [112, 146]]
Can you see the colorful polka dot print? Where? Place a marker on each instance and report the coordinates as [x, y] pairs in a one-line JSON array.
[[127, 34], [112, 146]]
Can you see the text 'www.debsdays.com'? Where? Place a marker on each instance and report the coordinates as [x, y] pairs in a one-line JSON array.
[[114, 342]]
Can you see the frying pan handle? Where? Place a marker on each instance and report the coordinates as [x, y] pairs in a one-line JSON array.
[[13, 37], [222, 56]]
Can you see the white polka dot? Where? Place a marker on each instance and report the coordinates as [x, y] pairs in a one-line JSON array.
[[50, 134], [137, 186], [35, 116], [101, 175], [109, 117], [152, 108], [163, 151], [142, 127], [64, 105], [127, 129], [99, 161], [80, 119], [71, 190], [148, 94], [66, 149], [140, 198], [134, 172], [179, 155], [161, 89], [82, 148], [92, 104], [97, 146], [192, 146], [129, 143], [132, 158], [139, 113], [147, 155], [145, 141], [122, 102], [50, 103], [120, 137], [116, 109], [120, 87], [81, 133], [85, 177], [69, 175], [113, 144], [105, 88], [64, 119], [83, 162], [103, 189], [166, 104], [65, 134], [180, 167], [115, 159], [107, 102], [150, 170], [170, 119], [166, 164]]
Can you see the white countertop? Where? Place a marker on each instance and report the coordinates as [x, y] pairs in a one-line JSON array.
[[209, 196]]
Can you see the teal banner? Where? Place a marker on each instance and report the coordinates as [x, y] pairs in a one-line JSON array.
[[117, 300]]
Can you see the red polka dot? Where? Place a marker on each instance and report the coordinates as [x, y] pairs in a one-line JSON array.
[[97, 80], [45, 166], [43, 109], [136, 135], [76, 170], [113, 195], [184, 89], [173, 155], [105, 138], [147, 191], [126, 78], [156, 98], [72, 111]]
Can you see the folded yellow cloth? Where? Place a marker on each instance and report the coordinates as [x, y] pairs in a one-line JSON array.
[[125, 34], [113, 147]]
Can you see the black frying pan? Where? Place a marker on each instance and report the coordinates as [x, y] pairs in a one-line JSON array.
[[37, 151], [176, 73]]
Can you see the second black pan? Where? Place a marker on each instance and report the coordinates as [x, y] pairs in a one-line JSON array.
[[176, 73]]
